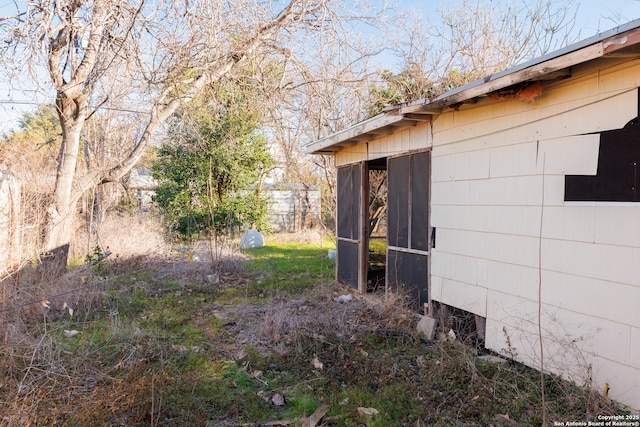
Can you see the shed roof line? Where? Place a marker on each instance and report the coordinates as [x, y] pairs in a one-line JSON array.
[[397, 116]]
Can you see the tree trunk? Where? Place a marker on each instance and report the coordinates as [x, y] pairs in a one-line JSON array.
[[61, 213], [84, 42]]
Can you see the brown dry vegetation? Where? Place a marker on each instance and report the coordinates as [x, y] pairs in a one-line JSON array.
[[181, 338]]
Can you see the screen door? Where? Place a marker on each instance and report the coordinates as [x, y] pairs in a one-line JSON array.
[[350, 226], [408, 233]]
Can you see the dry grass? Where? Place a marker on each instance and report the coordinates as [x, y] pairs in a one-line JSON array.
[[308, 236], [277, 327], [124, 234], [159, 345]]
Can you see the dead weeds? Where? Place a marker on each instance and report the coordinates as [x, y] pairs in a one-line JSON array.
[[159, 343]]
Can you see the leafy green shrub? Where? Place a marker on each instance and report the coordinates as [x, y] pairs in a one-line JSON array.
[[209, 169]]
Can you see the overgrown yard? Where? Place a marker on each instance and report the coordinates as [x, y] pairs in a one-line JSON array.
[[250, 339]]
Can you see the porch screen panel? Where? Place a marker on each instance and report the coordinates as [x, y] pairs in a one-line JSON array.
[[408, 246], [398, 202], [408, 272], [348, 263], [420, 201], [348, 211], [345, 202]]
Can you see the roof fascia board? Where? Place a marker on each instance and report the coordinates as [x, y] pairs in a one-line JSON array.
[[493, 83], [370, 125]]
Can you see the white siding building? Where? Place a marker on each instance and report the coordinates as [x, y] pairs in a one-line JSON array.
[[532, 207]]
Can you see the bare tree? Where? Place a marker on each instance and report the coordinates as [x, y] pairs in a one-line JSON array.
[[163, 52], [471, 39], [318, 101], [321, 97]]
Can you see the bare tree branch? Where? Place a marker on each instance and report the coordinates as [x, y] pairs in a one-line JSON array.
[[158, 56]]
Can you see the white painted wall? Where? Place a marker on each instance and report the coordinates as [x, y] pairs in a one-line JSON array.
[[497, 193], [413, 138], [502, 223]]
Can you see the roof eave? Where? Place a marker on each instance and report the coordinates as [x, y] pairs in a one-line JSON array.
[[385, 123], [399, 116]]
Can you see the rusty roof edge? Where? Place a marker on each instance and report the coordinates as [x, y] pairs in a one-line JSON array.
[[433, 105]]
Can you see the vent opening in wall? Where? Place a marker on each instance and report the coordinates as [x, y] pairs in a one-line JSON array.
[[467, 327], [618, 175]]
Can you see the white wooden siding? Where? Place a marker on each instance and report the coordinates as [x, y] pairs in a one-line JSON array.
[[571, 155], [414, 138], [624, 231], [576, 223], [606, 300], [357, 153], [618, 264], [494, 217], [541, 123]]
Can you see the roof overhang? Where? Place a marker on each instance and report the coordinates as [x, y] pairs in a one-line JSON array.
[[383, 124], [623, 41]]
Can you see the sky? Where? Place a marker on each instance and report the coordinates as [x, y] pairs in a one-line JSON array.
[[593, 16]]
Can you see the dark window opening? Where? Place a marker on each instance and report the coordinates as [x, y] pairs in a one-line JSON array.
[[420, 201], [348, 263], [377, 226], [617, 176]]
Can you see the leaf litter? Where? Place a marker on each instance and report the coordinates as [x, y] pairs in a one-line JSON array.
[[276, 358]]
